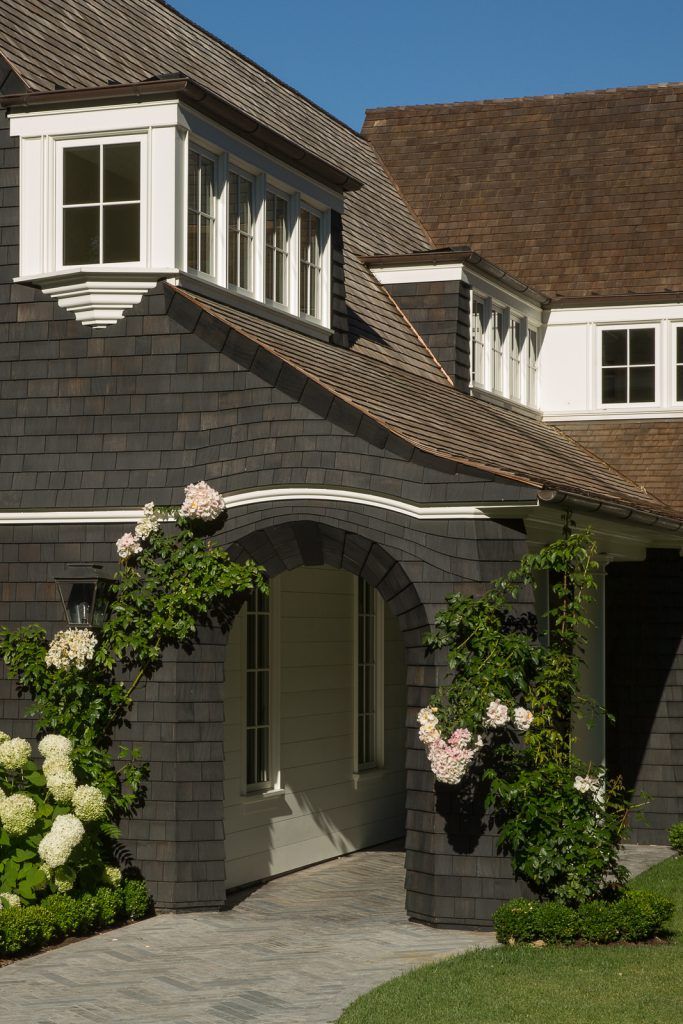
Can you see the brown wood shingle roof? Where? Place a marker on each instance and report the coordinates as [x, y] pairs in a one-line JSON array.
[[434, 418], [578, 195]]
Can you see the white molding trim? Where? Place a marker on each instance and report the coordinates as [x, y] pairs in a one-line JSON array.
[[597, 415], [265, 495], [98, 298]]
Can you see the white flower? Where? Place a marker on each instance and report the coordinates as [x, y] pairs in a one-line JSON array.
[[127, 546], [523, 719], [56, 847], [14, 753], [61, 784], [3, 794], [56, 764], [149, 523], [429, 725], [586, 783], [18, 814], [71, 647], [3, 736], [497, 714], [202, 502], [53, 745], [113, 876], [89, 803], [9, 899]]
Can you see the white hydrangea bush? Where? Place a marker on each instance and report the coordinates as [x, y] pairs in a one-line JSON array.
[[54, 833]]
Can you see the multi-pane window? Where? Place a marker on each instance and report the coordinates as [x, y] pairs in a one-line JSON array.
[[679, 364], [201, 214], [497, 345], [310, 263], [367, 681], [258, 693], [478, 346], [101, 203], [516, 346], [628, 365], [532, 368], [276, 256], [240, 231]]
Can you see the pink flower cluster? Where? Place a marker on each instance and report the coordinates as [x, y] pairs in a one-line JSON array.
[[451, 758], [202, 502], [127, 546]]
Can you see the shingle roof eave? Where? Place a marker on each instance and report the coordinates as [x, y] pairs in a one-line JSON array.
[[353, 379]]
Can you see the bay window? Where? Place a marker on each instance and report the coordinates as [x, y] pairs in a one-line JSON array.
[[504, 348], [100, 203]]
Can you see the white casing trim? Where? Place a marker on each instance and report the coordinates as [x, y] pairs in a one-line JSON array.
[[324, 495]]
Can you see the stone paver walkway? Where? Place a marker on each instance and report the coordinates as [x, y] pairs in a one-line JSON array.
[[295, 951]]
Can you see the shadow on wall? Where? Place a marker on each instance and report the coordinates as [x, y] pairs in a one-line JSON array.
[[644, 631]]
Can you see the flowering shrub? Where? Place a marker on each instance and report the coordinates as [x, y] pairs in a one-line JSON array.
[[504, 719], [675, 836], [59, 822], [51, 843]]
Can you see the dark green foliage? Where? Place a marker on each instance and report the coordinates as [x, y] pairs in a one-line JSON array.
[[110, 905], [676, 837], [136, 899], [634, 916], [23, 929], [563, 842]]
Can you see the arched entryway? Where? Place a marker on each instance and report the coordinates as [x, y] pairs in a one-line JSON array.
[[315, 708]]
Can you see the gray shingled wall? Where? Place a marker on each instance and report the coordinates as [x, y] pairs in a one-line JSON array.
[[644, 606], [440, 312]]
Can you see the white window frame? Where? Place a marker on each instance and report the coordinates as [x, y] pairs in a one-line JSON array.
[[503, 313], [274, 783], [658, 363], [214, 158], [674, 362], [280, 194], [101, 139], [479, 349], [530, 366], [516, 365], [378, 762]]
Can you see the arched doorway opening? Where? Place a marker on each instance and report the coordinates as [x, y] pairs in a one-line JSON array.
[[315, 709]]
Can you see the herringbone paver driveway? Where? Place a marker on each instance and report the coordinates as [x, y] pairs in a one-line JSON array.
[[295, 951]]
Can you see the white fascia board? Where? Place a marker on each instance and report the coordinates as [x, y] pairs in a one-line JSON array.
[[220, 139], [599, 415], [616, 540], [323, 495], [97, 120], [477, 280], [613, 315]]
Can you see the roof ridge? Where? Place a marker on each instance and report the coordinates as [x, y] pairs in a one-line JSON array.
[[280, 81], [611, 90]]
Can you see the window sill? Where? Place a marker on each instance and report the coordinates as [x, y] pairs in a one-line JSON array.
[[511, 404], [99, 295], [247, 304], [255, 800], [370, 775]]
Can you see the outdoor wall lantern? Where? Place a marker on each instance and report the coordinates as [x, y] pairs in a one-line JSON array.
[[85, 593]]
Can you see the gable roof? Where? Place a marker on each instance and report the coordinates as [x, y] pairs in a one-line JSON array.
[[426, 415], [578, 195]]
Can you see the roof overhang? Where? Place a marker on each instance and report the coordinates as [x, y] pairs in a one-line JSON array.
[[186, 90], [452, 257]]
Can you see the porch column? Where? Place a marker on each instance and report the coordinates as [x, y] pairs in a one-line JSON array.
[[590, 732]]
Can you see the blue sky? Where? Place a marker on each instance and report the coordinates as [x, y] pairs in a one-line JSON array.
[[382, 53]]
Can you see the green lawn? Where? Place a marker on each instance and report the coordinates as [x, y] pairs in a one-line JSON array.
[[549, 985]]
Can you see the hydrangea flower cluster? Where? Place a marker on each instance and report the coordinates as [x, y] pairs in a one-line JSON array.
[[202, 502], [451, 758], [89, 803], [113, 876], [8, 900], [55, 746], [65, 834], [18, 813], [71, 647], [14, 754], [127, 546]]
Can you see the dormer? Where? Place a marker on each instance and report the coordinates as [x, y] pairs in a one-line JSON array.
[[122, 186], [483, 325]]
